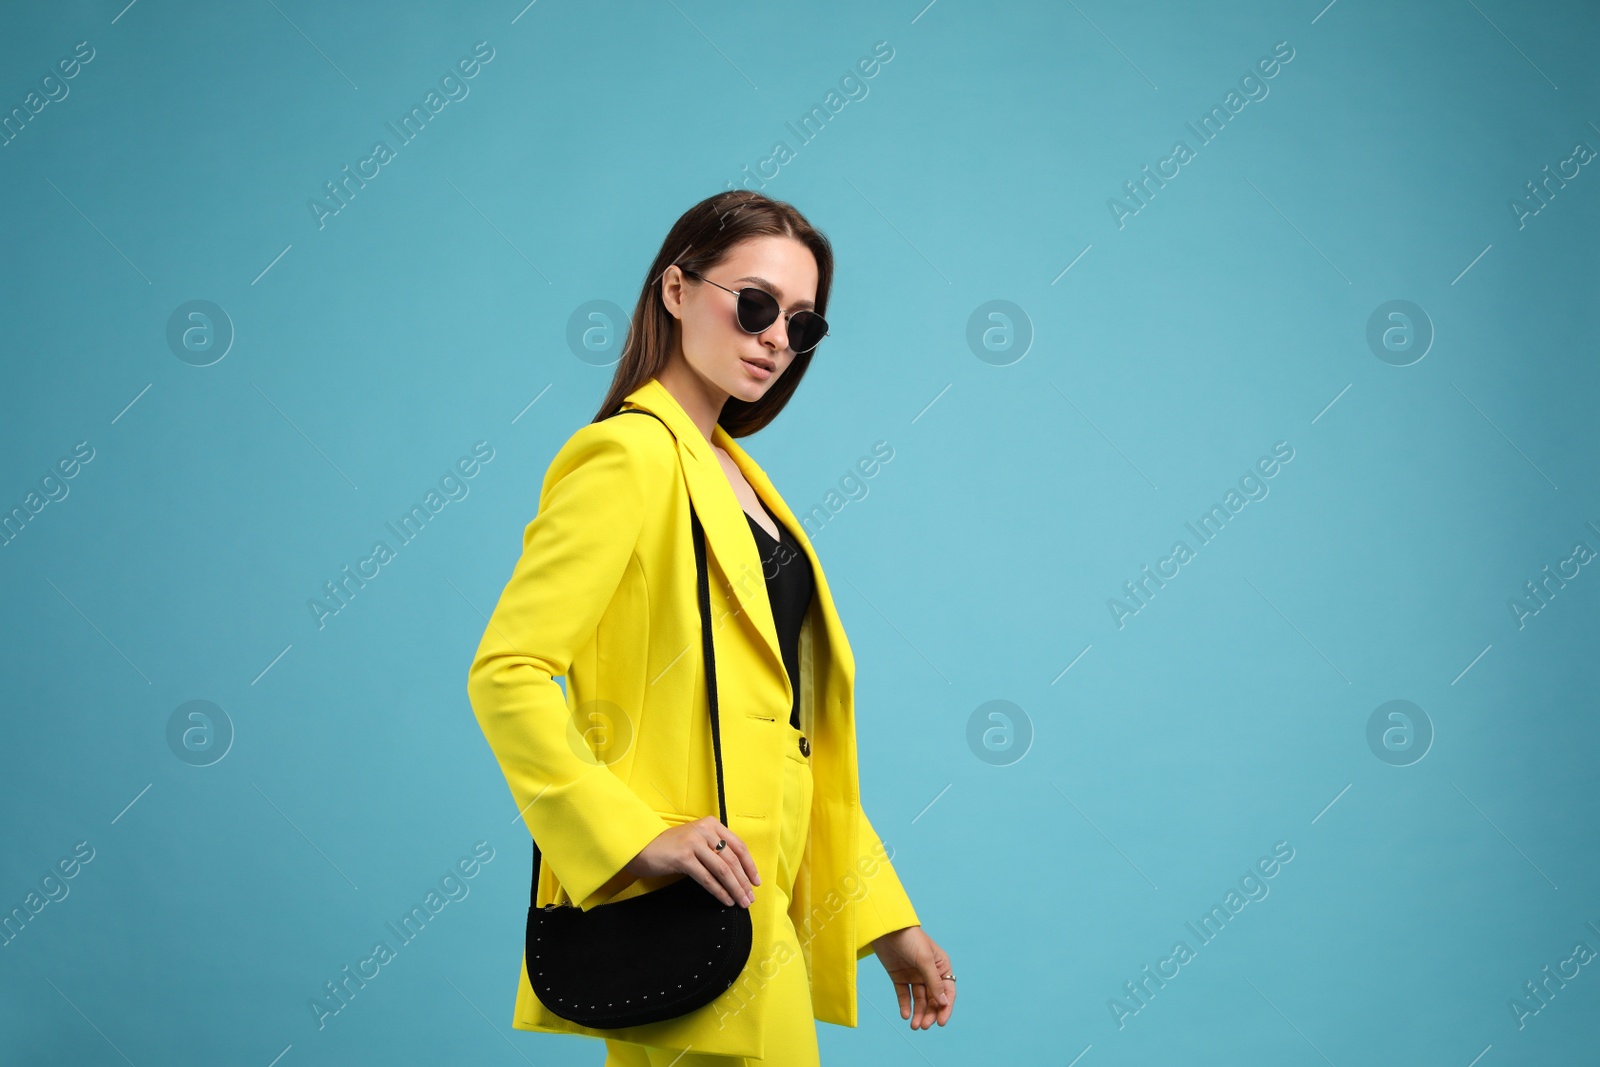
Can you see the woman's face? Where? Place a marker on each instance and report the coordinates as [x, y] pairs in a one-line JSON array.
[[712, 341]]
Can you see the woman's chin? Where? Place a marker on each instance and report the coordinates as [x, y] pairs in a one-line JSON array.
[[750, 391]]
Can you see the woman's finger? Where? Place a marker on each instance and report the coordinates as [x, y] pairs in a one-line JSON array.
[[947, 986], [930, 974], [700, 867], [902, 992], [730, 860], [736, 843], [720, 870], [700, 871], [924, 1006], [950, 1004], [735, 855]]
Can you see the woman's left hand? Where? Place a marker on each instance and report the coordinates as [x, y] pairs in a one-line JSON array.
[[915, 962]]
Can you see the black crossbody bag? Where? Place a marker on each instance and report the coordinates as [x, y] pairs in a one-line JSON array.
[[650, 957]]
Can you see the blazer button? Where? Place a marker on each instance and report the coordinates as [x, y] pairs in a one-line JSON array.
[[805, 746]]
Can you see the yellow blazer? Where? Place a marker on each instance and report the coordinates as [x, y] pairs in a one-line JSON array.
[[605, 594]]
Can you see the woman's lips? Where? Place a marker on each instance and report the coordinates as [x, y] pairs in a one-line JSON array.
[[761, 373]]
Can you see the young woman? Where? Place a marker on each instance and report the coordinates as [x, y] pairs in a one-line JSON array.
[[614, 775]]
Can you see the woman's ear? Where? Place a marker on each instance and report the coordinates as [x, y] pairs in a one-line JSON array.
[[672, 288]]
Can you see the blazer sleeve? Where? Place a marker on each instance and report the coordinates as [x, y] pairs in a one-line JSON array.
[[884, 907], [587, 821]]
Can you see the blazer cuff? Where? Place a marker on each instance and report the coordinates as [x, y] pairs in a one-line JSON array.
[[594, 826], [884, 907]]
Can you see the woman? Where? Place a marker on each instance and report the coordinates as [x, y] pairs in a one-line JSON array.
[[613, 775]]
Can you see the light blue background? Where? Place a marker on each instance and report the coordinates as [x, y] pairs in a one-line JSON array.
[[1025, 489]]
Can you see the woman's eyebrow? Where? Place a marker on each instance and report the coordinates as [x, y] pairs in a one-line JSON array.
[[798, 305]]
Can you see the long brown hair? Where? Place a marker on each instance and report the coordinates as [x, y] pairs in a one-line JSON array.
[[698, 241]]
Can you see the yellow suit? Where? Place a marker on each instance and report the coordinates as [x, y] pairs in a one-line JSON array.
[[605, 594]]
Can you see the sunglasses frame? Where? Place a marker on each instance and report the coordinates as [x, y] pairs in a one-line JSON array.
[[787, 315]]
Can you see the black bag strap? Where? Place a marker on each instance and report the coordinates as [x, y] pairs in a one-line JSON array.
[[707, 650]]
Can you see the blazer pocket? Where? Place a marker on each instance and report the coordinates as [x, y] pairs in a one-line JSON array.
[[676, 817]]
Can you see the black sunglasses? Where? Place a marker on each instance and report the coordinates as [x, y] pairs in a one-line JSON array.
[[758, 309]]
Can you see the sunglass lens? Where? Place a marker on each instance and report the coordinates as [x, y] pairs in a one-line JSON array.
[[758, 309], [806, 330]]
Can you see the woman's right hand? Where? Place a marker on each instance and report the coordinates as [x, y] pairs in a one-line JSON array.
[[691, 848]]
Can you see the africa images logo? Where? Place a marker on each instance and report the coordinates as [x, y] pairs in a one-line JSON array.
[[453, 85], [1211, 125]]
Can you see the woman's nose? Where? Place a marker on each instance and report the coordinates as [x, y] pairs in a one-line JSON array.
[[778, 334]]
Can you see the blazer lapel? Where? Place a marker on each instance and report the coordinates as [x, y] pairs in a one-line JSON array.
[[841, 657], [728, 539]]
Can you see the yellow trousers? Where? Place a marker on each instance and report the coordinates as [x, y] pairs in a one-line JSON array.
[[791, 1036]]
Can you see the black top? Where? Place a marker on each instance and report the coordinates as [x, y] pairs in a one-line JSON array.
[[789, 586]]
